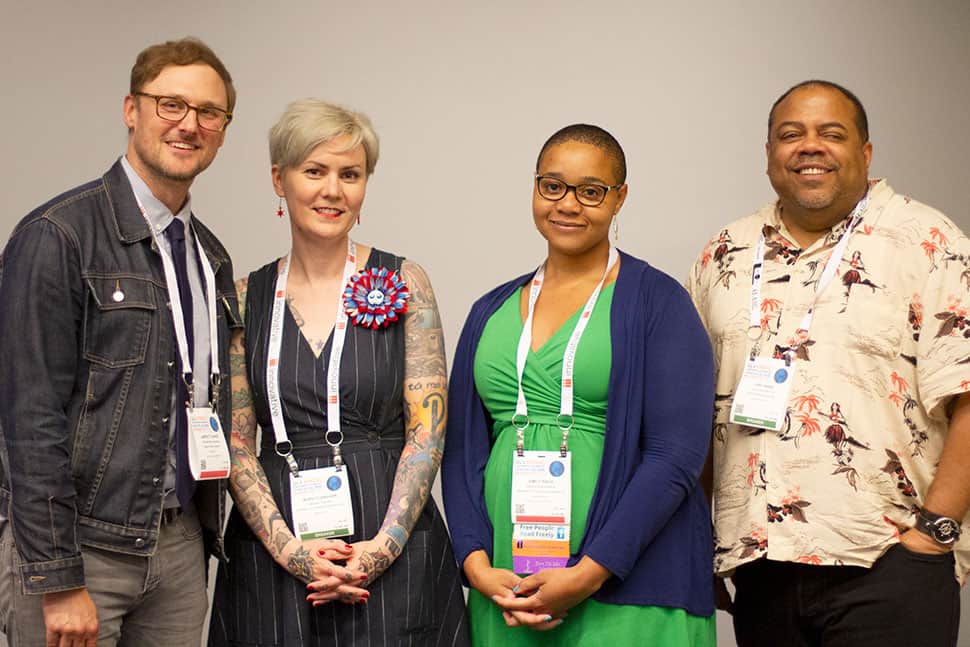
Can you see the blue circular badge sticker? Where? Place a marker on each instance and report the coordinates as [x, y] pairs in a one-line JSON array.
[[556, 468], [781, 375], [333, 483], [214, 423]]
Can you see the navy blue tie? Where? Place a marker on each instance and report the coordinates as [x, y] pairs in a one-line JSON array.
[[184, 483]]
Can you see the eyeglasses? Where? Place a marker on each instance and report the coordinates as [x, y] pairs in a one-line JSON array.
[[590, 195], [175, 109]]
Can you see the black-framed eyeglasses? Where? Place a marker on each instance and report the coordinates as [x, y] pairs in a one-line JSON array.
[[175, 109], [590, 195]]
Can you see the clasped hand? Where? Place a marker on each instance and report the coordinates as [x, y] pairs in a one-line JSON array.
[[542, 600], [330, 579]]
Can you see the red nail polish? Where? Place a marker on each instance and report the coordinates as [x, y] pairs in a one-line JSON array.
[[363, 577]]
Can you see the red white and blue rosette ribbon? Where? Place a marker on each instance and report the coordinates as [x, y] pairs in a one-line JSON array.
[[376, 298]]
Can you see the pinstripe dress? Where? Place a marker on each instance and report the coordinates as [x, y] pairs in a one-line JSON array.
[[418, 600]]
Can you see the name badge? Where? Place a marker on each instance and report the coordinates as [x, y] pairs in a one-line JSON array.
[[320, 500], [761, 399], [208, 453], [541, 503]]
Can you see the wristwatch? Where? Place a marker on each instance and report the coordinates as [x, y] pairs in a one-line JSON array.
[[944, 530]]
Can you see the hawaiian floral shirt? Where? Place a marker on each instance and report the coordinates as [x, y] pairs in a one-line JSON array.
[[888, 348]]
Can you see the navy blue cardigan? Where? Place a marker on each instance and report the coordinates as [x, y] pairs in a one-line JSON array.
[[649, 522]]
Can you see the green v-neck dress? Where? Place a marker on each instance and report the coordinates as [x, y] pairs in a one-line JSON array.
[[591, 622]]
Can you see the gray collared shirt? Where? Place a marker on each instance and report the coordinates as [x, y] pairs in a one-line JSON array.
[[159, 217]]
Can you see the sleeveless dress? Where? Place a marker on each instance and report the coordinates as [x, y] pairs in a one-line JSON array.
[[418, 600], [590, 622]]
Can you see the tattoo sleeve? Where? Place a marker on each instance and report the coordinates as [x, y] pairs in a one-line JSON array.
[[425, 390], [247, 482]]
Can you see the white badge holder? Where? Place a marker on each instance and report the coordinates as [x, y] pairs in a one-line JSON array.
[[320, 501], [208, 454], [761, 399]]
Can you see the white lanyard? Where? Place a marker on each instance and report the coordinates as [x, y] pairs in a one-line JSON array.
[[283, 445], [520, 420], [178, 320], [754, 320]]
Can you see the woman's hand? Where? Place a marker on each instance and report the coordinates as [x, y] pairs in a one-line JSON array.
[[501, 584], [490, 582], [546, 596], [331, 580], [317, 559], [371, 558], [334, 550]]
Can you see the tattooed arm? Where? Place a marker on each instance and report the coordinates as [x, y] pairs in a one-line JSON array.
[[425, 394], [250, 490]]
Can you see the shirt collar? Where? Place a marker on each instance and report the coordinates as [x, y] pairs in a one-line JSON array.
[[774, 223], [159, 216]]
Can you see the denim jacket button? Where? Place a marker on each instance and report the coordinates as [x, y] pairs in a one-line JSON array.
[[139, 543], [171, 363], [165, 420], [156, 481]]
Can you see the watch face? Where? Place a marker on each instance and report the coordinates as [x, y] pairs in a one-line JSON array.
[[946, 531]]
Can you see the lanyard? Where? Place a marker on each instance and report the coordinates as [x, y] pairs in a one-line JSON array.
[[334, 435], [178, 320], [520, 420], [754, 320]]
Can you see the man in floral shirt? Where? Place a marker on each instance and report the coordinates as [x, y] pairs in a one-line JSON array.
[[840, 461]]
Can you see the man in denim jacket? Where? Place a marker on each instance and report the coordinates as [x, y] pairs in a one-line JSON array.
[[98, 543]]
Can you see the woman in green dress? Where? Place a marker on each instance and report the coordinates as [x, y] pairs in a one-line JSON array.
[[579, 421]]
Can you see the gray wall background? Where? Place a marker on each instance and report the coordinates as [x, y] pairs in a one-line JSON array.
[[463, 94]]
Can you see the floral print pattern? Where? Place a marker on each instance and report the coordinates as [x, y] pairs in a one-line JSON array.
[[889, 346]]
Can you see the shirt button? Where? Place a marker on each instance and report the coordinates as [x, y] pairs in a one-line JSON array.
[[171, 363], [139, 543], [164, 419]]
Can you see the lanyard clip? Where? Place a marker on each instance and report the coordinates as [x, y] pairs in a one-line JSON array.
[[284, 449], [189, 391], [215, 386], [755, 351], [565, 423], [338, 460], [520, 421]]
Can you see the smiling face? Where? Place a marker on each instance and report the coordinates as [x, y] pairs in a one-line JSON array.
[[168, 155], [325, 192], [817, 161], [569, 227]]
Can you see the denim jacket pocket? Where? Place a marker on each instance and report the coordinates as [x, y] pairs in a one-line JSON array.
[[118, 319], [230, 306]]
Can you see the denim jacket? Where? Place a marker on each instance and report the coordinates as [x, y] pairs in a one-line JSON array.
[[86, 382]]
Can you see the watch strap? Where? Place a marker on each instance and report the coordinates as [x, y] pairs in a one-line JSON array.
[[944, 530]]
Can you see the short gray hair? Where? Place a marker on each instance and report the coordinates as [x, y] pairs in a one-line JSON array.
[[308, 123]]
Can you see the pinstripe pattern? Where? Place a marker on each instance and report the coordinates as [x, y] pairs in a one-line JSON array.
[[418, 600]]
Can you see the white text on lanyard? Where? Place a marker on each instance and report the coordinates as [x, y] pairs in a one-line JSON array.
[[520, 420]]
